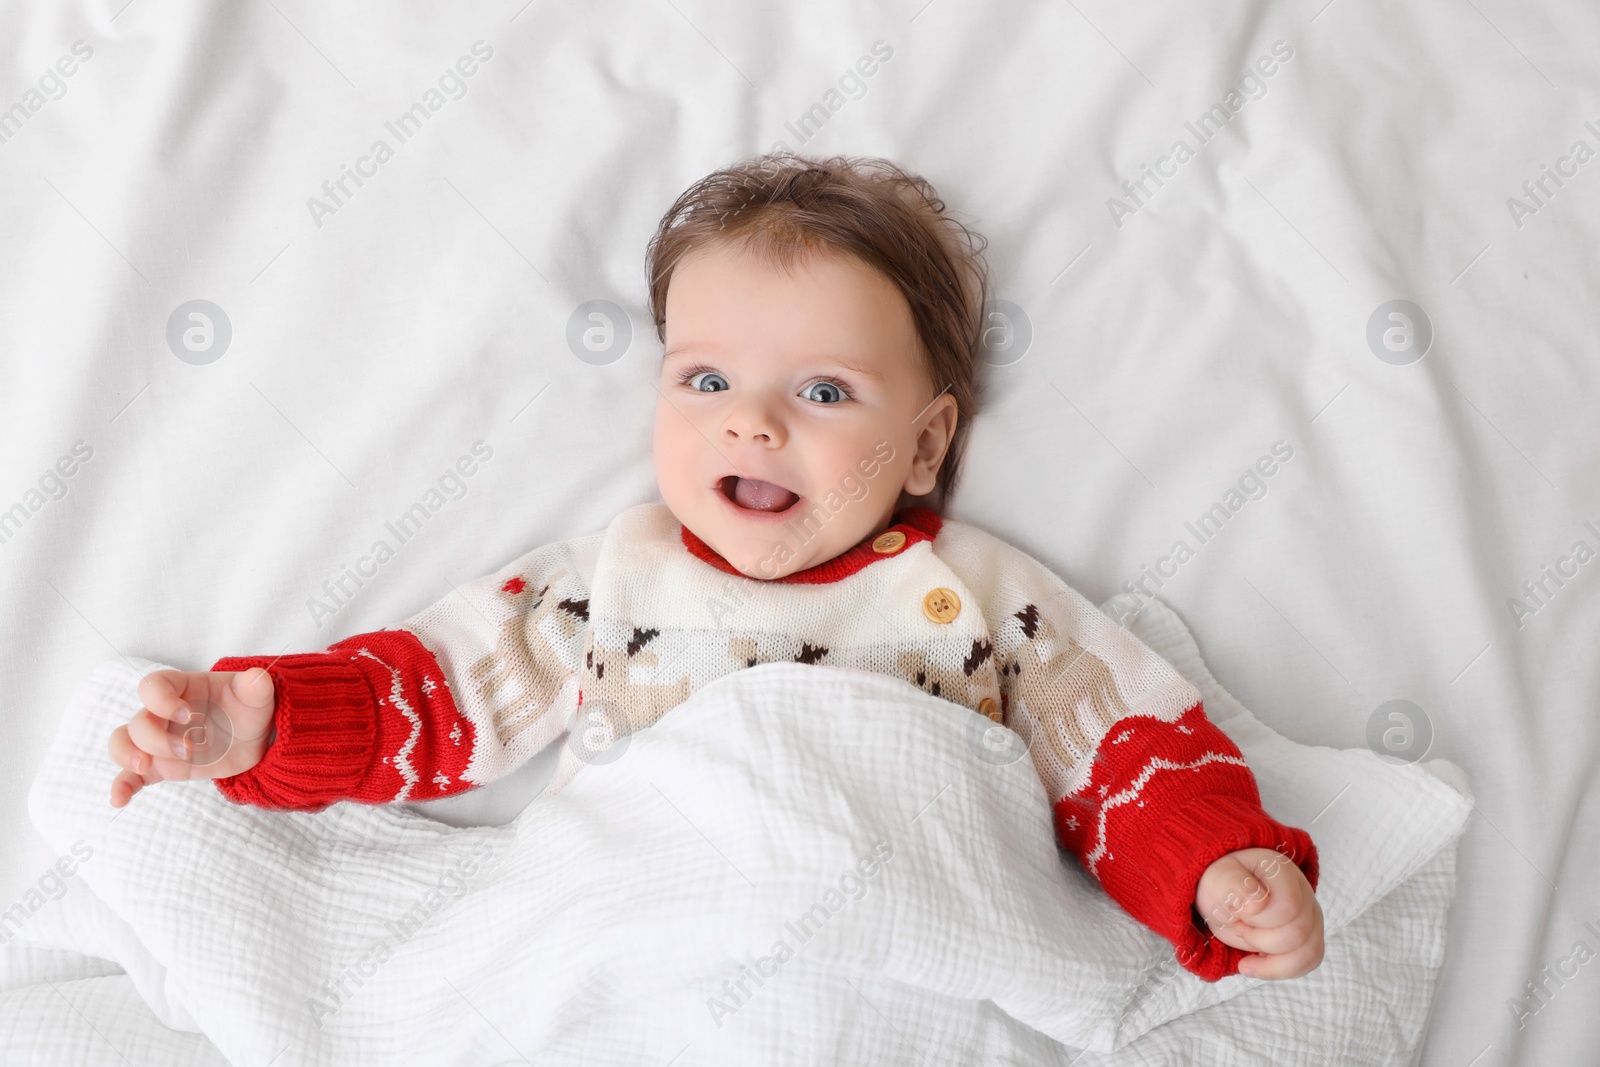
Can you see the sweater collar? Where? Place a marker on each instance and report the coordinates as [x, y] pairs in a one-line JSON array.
[[909, 526]]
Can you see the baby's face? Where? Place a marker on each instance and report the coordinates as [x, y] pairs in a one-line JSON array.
[[793, 408]]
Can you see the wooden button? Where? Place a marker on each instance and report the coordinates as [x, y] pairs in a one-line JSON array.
[[888, 541], [941, 604], [990, 707]]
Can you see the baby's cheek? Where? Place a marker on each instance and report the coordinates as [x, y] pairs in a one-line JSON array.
[[672, 451]]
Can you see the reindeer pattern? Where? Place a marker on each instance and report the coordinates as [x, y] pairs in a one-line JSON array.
[[1066, 693], [521, 677], [1050, 687]]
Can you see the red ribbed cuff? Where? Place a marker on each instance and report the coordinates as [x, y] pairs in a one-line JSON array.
[[1179, 847], [326, 721]]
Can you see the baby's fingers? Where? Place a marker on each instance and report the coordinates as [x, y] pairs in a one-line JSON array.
[[248, 698], [1302, 960], [139, 768], [125, 753], [134, 763], [155, 737], [165, 693], [124, 786], [130, 779], [1272, 940]]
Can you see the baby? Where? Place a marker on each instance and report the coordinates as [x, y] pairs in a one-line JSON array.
[[822, 324]]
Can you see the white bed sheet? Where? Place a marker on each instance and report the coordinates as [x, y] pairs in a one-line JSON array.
[[1167, 354]]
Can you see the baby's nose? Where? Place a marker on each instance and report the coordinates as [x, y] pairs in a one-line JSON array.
[[754, 423]]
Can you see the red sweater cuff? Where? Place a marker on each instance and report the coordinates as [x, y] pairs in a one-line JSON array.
[[1181, 844], [325, 715]]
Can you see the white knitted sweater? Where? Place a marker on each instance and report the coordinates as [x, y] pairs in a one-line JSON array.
[[599, 636]]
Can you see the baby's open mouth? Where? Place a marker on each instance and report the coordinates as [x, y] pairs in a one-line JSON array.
[[754, 495]]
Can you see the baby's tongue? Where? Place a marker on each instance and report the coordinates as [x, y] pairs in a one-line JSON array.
[[761, 496]]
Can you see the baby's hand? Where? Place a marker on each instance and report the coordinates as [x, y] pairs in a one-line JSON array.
[[194, 724], [1257, 900]]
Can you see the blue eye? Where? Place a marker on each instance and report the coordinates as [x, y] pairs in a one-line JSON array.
[[832, 393], [708, 374]]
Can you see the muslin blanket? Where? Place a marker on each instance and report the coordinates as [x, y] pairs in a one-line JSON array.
[[800, 864]]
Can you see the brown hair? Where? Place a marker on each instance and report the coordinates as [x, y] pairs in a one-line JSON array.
[[781, 206]]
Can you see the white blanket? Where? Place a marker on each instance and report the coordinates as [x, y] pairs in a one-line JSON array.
[[1165, 353], [867, 851]]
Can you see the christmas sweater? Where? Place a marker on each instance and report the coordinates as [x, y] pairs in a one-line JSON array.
[[616, 628]]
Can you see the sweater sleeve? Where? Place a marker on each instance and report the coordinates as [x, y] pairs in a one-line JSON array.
[[1145, 790], [458, 695]]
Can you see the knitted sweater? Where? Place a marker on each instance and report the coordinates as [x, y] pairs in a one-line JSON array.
[[622, 625]]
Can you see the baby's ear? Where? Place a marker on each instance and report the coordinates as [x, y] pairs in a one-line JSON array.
[[936, 429]]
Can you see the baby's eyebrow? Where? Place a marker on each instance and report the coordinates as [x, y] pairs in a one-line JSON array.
[[839, 361], [864, 371]]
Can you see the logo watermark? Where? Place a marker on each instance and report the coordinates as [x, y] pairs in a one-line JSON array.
[[997, 745], [332, 995], [849, 887], [199, 332], [1399, 732], [1537, 995], [803, 528], [1205, 127], [1399, 332], [599, 332], [1251, 485], [451, 85], [1007, 333], [51, 885], [339, 591], [1228, 909], [50, 86], [1532, 202], [599, 734], [53, 486], [1546, 585], [851, 85]]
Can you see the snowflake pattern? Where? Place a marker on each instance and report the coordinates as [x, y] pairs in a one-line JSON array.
[[1123, 736], [1185, 730], [428, 686], [455, 734], [1072, 822], [441, 780]]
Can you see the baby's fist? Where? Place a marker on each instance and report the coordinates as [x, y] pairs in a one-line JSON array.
[[1257, 900], [194, 724]]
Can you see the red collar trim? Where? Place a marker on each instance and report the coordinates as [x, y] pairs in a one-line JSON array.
[[916, 524]]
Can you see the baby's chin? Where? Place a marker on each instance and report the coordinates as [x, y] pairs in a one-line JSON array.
[[768, 558], [766, 554], [769, 547]]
